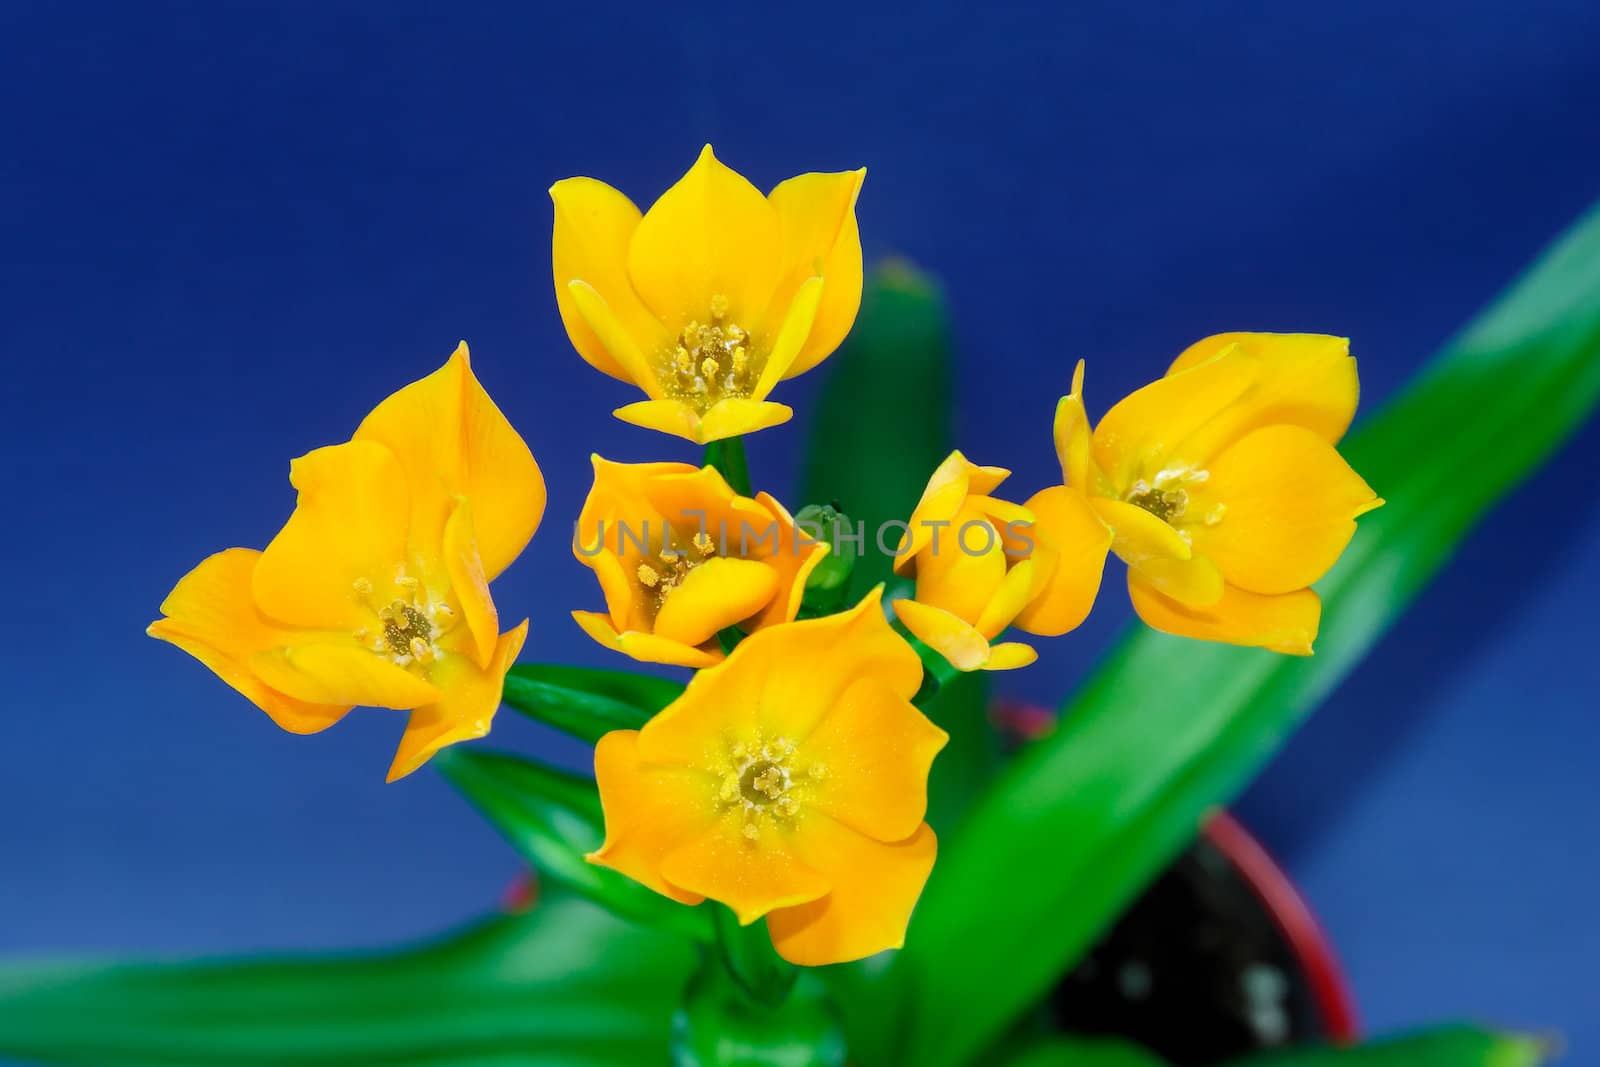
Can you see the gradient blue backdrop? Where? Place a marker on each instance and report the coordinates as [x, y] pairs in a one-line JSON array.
[[227, 230]]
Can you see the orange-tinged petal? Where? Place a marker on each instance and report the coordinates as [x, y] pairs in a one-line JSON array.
[[1303, 379], [1195, 582], [1071, 544], [1288, 503], [468, 698], [734, 416], [452, 441], [817, 218], [643, 646], [1138, 535], [876, 749], [699, 499], [1009, 600], [957, 640], [751, 877], [212, 616], [713, 596], [589, 243], [874, 888], [469, 583], [1072, 435], [1143, 433], [964, 570], [797, 323], [712, 233], [649, 810], [349, 525], [796, 557], [1286, 623], [628, 351], [952, 482], [341, 671], [792, 674]]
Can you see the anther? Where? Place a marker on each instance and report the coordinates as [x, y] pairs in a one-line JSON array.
[[703, 543], [709, 368], [752, 832], [648, 577]]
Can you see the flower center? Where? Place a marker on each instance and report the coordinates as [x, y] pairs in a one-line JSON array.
[[662, 573], [1166, 496], [764, 782], [409, 625], [712, 360]]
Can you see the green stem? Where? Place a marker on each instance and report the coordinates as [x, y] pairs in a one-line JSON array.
[[746, 953], [727, 455]]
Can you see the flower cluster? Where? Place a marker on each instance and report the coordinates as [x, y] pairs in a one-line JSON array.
[[789, 781]]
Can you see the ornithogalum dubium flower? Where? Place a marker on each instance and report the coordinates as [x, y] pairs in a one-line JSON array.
[[1221, 486], [376, 590], [789, 781], [711, 297], [681, 557], [972, 556]]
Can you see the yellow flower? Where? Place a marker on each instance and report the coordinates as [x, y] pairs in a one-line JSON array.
[[1222, 488], [711, 297], [789, 781], [971, 554], [680, 557], [376, 590]]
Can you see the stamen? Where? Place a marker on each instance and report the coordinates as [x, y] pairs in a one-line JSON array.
[[648, 577], [711, 360], [703, 543]]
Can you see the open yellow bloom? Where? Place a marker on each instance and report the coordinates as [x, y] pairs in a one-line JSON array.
[[789, 781], [1221, 485], [972, 555], [680, 557], [713, 296], [376, 590]]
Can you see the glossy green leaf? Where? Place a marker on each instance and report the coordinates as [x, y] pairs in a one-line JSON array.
[[565, 985], [585, 702], [1083, 1052], [553, 818], [1168, 729], [1455, 1046]]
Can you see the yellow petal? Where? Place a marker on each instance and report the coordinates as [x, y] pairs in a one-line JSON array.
[[1287, 504], [349, 525], [1010, 656], [1070, 545], [211, 616], [636, 361], [1008, 601], [589, 243], [797, 322], [648, 810], [1143, 433], [791, 675], [817, 218], [1195, 582], [699, 500], [964, 569], [468, 698], [952, 482], [1137, 535], [469, 584], [751, 877], [342, 671], [713, 596], [452, 441], [958, 641], [877, 749], [874, 888], [1286, 623], [642, 646], [795, 557], [735, 416], [712, 233], [1303, 379], [1072, 435]]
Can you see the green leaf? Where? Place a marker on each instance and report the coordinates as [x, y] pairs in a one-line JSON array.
[[1083, 1052], [884, 419], [585, 702], [1455, 1046], [1167, 729], [721, 1026], [553, 818], [565, 985]]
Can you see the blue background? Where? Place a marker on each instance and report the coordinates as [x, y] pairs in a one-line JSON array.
[[227, 230]]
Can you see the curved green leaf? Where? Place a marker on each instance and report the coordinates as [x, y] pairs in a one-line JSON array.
[[1168, 729], [565, 985], [1083, 1052], [585, 702], [553, 818], [1454, 1046]]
